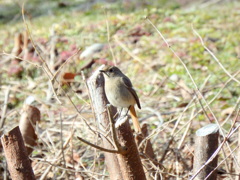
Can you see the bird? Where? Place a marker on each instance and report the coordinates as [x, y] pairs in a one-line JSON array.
[[120, 92]]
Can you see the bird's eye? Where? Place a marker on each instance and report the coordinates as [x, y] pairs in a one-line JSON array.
[[110, 70]]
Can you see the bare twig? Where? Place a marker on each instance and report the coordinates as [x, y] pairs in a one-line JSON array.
[[220, 163], [134, 56], [49, 73], [189, 74], [114, 134], [33, 44], [43, 176], [196, 88], [47, 70], [4, 109], [98, 147], [67, 60], [214, 57], [185, 133], [109, 44], [21, 59], [61, 138], [230, 133]]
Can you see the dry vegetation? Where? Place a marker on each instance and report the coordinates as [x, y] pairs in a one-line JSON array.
[[183, 83]]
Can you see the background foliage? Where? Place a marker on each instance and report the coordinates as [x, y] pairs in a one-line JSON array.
[[166, 91]]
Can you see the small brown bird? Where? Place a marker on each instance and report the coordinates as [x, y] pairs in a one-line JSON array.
[[120, 92]]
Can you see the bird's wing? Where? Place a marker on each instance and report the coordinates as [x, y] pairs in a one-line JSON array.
[[128, 84]]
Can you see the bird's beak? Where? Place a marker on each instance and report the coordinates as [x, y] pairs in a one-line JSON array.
[[105, 72]]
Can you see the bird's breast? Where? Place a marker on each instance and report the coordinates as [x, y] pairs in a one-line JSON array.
[[118, 94]]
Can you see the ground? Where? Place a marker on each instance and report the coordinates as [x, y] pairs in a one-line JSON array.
[[182, 85]]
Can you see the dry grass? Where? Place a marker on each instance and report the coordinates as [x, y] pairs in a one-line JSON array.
[[182, 85]]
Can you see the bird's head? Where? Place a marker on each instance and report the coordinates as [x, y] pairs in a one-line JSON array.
[[111, 71]]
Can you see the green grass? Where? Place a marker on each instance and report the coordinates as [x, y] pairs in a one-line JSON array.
[[150, 72], [218, 25]]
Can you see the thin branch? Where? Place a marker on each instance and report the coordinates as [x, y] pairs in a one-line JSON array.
[[21, 59], [123, 46], [196, 87], [189, 74], [43, 176], [4, 109], [114, 134], [31, 39], [108, 33], [230, 133], [214, 57], [98, 147], [47, 70], [221, 163], [186, 131], [61, 139], [67, 169], [210, 102], [57, 72], [120, 150]]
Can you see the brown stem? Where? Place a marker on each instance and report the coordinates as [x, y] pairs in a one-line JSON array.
[[16, 154]]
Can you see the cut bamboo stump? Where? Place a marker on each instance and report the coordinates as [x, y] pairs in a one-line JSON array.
[[120, 166], [16, 155], [206, 143], [147, 153], [130, 163], [99, 103], [29, 117]]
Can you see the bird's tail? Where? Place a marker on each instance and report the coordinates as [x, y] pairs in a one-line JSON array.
[[134, 117]]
